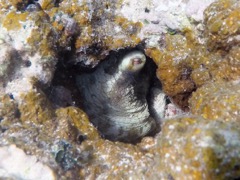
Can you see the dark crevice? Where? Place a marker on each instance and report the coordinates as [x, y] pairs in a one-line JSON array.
[[63, 91]]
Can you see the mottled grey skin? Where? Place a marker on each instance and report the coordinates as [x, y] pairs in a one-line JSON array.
[[114, 97]]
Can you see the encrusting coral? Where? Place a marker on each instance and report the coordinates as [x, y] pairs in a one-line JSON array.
[[185, 63], [198, 59]]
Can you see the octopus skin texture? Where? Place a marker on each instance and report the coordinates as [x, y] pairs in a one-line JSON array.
[[115, 97]]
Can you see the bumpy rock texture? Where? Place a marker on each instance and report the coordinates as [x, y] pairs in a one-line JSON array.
[[196, 148], [198, 59], [188, 60], [221, 95]]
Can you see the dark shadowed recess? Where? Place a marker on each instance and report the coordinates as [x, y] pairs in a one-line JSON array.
[[63, 91]]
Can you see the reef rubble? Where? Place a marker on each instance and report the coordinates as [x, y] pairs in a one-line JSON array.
[[196, 48]]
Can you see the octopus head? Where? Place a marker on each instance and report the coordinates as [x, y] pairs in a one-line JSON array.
[[133, 61]]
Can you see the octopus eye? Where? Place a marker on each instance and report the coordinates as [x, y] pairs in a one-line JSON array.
[[136, 61], [133, 61]]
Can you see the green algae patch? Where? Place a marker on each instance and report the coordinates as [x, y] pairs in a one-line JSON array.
[[79, 120], [13, 19]]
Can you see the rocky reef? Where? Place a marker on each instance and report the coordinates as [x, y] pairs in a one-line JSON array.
[[195, 46]]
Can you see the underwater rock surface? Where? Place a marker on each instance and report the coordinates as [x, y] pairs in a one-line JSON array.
[[195, 46], [22, 166], [196, 148]]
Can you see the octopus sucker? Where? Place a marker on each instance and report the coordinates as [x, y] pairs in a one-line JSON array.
[[115, 96]]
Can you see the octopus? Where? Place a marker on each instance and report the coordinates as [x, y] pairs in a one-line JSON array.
[[116, 97]]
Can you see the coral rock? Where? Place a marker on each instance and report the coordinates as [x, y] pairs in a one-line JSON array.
[[194, 148], [223, 98]]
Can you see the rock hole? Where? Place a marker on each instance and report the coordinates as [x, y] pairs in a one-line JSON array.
[[27, 63], [81, 138], [146, 10], [114, 94]]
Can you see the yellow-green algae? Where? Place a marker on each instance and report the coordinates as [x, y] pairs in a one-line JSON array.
[[8, 108], [43, 37], [173, 70], [186, 64], [48, 4], [93, 28], [17, 4], [115, 160], [13, 19], [222, 21], [79, 120], [195, 148], [35, 107], [217, 100], [50, 33]]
